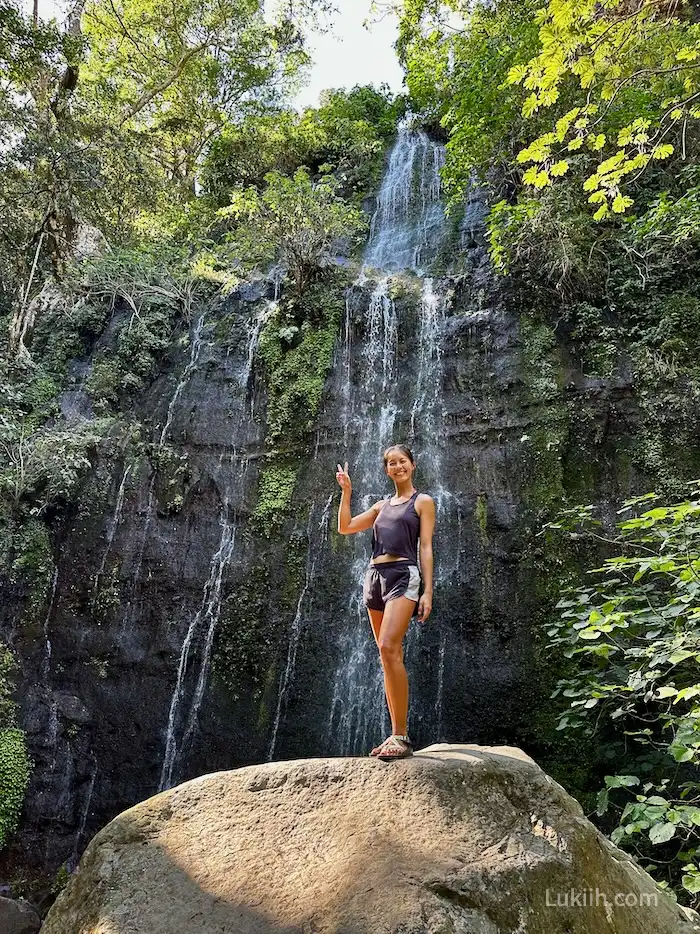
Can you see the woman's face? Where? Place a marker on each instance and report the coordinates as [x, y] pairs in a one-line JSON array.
[[399, 466]]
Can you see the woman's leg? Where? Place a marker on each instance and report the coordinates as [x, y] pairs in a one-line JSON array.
[[375, 618], [397, 616]]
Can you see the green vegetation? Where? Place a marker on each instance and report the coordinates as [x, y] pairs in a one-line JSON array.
[[346, 136], [14, 762], [275, 492], [295, 221], [151, 161], [296, 346], [580, 122], [633, 637]]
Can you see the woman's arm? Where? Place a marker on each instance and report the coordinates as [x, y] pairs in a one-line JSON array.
[[346, 523], [425, 549]]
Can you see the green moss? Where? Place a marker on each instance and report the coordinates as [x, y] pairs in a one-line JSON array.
[[666, 448], [14, 778], [543, 443], [14, 761], [245, 635], [172, 476], [267, 697], [481, 514], [295, 568], [106, 596], [296, 346], [26, 557], [275, 491]]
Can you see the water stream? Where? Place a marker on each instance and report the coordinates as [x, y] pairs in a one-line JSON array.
[[199, 638], [392, 402]]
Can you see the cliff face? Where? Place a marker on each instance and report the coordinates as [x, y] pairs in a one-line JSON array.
[[204, 613]]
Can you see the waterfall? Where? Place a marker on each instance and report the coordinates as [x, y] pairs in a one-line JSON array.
[[195, 350], [408, 227], [196, 649], [393, 402], [388, 367], [46, 663], [112, 527], [315, 545], [200, 634]]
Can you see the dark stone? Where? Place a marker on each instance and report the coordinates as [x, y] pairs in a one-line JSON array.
[[18, 917], [72, 708]]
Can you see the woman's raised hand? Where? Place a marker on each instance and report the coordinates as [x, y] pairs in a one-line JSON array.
[[343, 477]]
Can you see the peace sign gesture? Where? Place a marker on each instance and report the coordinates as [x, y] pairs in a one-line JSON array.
[[343, 477]]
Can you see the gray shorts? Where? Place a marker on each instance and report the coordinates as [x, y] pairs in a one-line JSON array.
[[387, 581]]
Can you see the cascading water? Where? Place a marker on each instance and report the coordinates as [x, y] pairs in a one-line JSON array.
[[196, 343], [186, 699], [316, 545], [46, 663], [112, 528], [408, 227], [388, 404], [407, 234]]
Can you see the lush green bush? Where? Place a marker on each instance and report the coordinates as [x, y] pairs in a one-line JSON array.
[[632, 633], [347, 134], [14, 778], [294, 221]]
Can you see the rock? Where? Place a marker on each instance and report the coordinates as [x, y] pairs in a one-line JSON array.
[[18, 917], [72, 708], [88, 243], [459, 839]]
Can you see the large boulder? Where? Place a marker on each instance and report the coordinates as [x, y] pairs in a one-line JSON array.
[[456, 840]]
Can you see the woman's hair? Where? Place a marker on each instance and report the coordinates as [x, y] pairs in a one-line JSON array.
[[403, 449]]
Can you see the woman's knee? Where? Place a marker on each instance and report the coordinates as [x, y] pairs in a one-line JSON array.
[[390, 650]]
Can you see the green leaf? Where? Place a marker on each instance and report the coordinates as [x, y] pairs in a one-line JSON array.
[[666, 692], [621, 781], [691, 882], [662, 151], [517, 74], [661, 833], [602, 802], [621, 203], [530, 105]]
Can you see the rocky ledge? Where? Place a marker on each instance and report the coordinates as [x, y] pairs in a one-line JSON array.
[[460, 839]]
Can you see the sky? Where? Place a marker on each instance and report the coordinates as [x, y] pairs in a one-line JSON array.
[[351, 54], [347, 55]]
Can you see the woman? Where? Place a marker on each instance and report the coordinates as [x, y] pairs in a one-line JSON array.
[[391, 585]]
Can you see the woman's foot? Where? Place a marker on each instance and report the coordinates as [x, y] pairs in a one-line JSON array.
[[378, 749], [395, 747]]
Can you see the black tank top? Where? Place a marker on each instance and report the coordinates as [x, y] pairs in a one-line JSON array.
[[396, 530]]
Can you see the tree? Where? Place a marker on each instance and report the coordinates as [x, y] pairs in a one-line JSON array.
[[347, 134], [628, 74], [108, 119], [456, 67], [294, 221]]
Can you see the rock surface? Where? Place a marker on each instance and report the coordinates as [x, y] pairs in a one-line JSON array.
[[18, 917], [462, 839]]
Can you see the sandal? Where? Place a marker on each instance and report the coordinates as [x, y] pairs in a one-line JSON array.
[[378, 749], [396, 747]]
